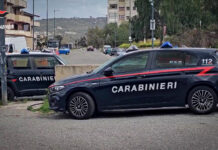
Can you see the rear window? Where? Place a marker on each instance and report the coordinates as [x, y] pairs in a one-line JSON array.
[[169, 59], [45, 62], [20, 62], [175, 59]]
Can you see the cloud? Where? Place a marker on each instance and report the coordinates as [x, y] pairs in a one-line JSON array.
[[70, 8]]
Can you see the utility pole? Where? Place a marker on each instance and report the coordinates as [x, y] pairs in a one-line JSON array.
[[152, 22], [54, 23], [115, 31], [33, 25], [3, 67], [130, 24], [47, 23]]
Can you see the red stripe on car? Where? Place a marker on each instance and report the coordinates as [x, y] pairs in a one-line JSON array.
[[203, 73]]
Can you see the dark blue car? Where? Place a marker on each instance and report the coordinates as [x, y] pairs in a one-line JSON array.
[[143, 79]]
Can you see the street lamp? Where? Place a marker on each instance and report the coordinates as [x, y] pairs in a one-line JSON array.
[[130, 25], [33, 24], [55, 10], [47, 22], [152, 22]]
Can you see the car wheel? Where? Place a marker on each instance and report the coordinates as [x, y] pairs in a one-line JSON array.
[[202, 100], [81, 106], [10, 94]]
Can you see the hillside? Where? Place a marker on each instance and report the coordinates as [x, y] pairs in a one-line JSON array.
[[70, 28]]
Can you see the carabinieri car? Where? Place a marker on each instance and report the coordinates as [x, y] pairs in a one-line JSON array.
[[30, 74], [143, 79]]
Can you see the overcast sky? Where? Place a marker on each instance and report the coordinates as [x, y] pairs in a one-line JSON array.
[[69, 8]]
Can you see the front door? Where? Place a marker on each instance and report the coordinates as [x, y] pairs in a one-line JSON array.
[[126, 88]]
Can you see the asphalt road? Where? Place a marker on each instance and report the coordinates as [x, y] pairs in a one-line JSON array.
[[81, 56], [144, 130]]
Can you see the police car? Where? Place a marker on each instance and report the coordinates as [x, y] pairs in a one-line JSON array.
[[144, 79], [30, 74]]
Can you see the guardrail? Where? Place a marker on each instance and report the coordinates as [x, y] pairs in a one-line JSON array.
[[62, 72]]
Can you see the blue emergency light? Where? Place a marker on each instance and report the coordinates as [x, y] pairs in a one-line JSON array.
[[166, 45], [24, 51]]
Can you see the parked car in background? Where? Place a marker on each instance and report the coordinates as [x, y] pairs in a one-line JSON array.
[[117, 51], [90, 48], [64, 50], [132, 48], [107, 49]]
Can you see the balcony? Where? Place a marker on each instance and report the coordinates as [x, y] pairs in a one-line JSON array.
[[19, 33], [37, 24], [19, 18], [18, 3]]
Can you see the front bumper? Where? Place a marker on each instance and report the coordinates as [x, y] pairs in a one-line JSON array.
[[57, 102]]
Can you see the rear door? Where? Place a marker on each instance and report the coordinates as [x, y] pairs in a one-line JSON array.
[[20, 69], [44, 68], [170, 69]]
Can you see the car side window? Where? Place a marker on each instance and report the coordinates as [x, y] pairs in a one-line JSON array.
[[45, 62], [169, 59], [191, 60], [208, 60], [20, 62], [136, 62]]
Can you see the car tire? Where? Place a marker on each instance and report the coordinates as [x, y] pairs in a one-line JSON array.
[[202, 100], [81, 106], [10, 94]]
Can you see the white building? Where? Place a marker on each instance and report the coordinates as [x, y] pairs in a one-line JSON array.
[[120, 11]]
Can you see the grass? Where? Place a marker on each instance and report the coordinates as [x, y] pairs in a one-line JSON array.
[[43, 109]]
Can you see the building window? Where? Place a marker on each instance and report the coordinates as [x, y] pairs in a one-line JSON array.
[[113, 15], [122, 17], [113, 6], [127, 17], [121, 8], [121, 0], [15, 27], [26, 27], [134, 8], [127, 8]]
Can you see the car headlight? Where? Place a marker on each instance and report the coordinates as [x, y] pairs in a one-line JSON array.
[[56, 88]]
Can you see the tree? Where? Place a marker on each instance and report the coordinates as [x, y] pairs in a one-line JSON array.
[[59, 38], [95, 37]]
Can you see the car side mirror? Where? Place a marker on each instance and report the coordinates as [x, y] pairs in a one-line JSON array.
[[108, 72]]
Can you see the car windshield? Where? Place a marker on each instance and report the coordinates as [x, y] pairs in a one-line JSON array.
[[105, 64], [61, 59]]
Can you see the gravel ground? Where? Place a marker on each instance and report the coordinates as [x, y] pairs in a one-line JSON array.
[[155, 130], [81, 56]]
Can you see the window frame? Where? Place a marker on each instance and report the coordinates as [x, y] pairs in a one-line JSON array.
[[41, 68], [146, 68], [10, 64], [154, 67]]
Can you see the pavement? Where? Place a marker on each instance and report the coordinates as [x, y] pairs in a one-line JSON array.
[[82, 56], [21, 129]]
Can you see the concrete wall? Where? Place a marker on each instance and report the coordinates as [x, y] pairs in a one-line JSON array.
[[62, 72]]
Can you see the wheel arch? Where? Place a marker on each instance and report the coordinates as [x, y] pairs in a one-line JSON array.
[[84, 90], [210, 85]]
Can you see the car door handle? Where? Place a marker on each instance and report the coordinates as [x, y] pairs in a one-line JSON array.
[[141, 76]]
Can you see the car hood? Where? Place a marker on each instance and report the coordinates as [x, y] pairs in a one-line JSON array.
[[74, 79]]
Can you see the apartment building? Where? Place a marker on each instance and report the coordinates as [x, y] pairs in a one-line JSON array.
[[120, 11], [21, 22]]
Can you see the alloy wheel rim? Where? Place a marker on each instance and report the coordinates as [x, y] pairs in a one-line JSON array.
[[202, 100], [79, 106]]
